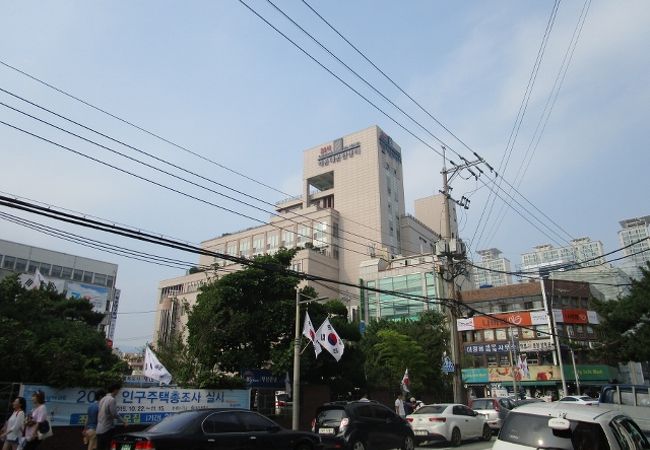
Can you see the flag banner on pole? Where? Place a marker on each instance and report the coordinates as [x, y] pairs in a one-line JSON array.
[[287, 384], [309, 332], [405, 381], [154, 369], [329, 339]]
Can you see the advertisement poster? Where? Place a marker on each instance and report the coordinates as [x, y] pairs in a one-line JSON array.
[[96, 295], [523, 372], [136, 405]]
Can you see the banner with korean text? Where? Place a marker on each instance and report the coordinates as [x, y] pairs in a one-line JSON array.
[[504, 320], [136, 405]]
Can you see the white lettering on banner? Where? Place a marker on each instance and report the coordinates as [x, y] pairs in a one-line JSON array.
[[592, 317], [536, 345], [136, 405]]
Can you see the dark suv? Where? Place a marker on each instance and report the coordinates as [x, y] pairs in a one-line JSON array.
[[361, 425]]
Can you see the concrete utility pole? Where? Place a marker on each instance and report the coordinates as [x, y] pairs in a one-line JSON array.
[[295, 394], [453, 249]]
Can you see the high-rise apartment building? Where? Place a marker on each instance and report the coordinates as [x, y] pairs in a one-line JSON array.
[[494, 272], [83, 278], [582, 251], [351, 209], [635, 231]]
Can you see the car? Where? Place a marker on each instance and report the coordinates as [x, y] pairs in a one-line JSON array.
[[495, 409], [283, 403], [579, 399], [450, 422], [216, 428], [569, 426], [362, 425], [526, 401]]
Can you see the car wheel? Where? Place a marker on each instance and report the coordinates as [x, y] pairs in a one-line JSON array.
[[487, 433], [358, 445], [408, 443], [455, 437]]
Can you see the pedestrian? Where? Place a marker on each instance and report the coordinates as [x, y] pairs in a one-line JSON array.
[[36, 417], [89, 432], [399, 405], [15, 425], [106, 417], [409, 406]]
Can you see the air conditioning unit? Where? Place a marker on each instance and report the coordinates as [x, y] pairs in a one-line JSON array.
[[457, 247]]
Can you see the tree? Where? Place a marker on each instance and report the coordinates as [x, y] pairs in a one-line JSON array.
[[50, 339], [625, 323], [392, 346], [240, 318]]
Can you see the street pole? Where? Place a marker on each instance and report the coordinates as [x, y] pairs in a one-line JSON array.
[[513, 362], [575, 370], [451, 311], [295, 394]]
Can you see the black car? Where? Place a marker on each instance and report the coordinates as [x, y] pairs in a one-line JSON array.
[[362, 425], [212, 429]]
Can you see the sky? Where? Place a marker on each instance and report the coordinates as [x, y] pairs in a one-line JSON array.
[[215, 79]]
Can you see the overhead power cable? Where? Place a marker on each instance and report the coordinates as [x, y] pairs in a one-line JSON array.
[[286, 216], [407, 130], [154, 239]]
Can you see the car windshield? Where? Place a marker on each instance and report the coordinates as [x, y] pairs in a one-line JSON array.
[[431, 409], [482, 404], [532, 430], [331, 415], [173, 423], [282, 397]]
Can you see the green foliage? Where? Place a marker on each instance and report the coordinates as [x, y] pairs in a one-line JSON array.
[[241, 318], [49, 339], [625, 324], [393, 346]]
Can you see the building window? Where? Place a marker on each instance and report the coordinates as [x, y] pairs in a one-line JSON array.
[[272, 241], [492, 361], [287, 238], [244, 247], [31, 268], [504, 360], [232, 249], [88, 277], [45, 269], [66, 273], [77, 275], [489, 335], [9, 263], [21, 265], [110, 280], [100, 279], [56, 271]]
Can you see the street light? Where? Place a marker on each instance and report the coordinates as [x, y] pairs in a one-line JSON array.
[[295, 395]]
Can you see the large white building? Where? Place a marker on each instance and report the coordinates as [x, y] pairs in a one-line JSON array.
[[582, 251], [351, 209], [495, 265], [83, 278], [638, 255]]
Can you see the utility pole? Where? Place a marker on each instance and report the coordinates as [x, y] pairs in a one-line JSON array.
[[513, 362], [454, 248], [295, 394]]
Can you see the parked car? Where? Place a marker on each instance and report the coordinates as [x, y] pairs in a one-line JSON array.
[[631, 400], [362, 425], [526, 401], [495, 409], [580, 400], [448, 422], [217, 428], [283, 403], [569, 426]]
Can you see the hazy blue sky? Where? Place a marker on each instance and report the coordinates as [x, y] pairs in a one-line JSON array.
[[212, 77]]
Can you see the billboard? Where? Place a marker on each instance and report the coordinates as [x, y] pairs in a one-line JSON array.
[[523, 318], [96, 295]]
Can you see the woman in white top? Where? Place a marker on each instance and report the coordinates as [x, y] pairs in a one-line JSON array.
[[15, 425], [38, 415]]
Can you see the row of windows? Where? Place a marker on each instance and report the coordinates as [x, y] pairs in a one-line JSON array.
[[52, 270], [530, 303]]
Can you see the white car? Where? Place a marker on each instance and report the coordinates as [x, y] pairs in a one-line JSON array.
[[448, 422], [569, 426], [580, 400]]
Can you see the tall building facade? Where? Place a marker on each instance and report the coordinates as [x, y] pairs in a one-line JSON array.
[[495, 267], [351, 208], [635, 231], [83, 278], [581, 251]]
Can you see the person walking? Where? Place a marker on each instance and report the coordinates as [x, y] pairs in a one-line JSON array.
[[36, 417], [106, 418], [15, 425], [89, 432], [399, 406]]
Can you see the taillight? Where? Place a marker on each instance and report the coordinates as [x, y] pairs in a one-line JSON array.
[[437, 419], [344, 424], [409, 419], [145, 445], [113, 445]]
